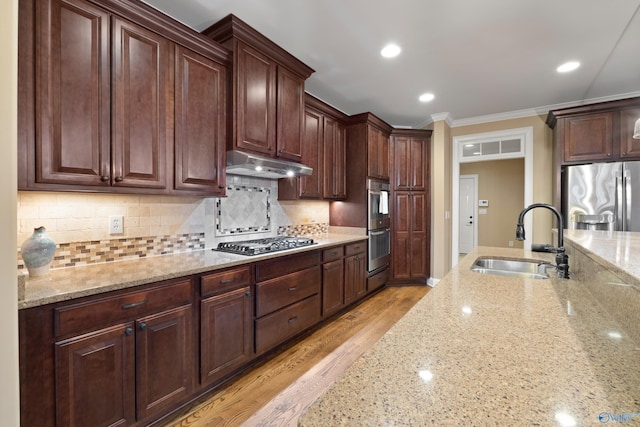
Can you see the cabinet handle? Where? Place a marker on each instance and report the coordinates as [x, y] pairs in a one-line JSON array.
[[248, 293], [293, 319], [225, 281], [119, 179], [333, 253], [128, 331], [293, 288], [104, 178], [624, 154], [143, 326], [133, 305]]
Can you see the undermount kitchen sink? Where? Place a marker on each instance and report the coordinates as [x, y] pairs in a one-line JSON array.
[[522, 268]]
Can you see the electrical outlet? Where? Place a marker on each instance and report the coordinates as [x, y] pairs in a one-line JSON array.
[[116, 224], [510, 243]]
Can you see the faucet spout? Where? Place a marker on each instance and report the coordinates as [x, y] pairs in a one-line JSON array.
[[562, 259]]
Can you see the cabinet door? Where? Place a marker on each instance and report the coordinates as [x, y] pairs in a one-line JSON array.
[[401, 236], [290, 114], [355, 283], [164, 360], [588, 137], [629, 147], [419, 236], [95, 378], [226, 333], [335, 184], [142, 111], [377, 153], [73, 131], [255, 100], [200, 121], [332, 287], [312, 150]]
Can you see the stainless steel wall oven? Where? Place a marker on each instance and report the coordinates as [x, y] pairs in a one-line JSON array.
[[378, 224]]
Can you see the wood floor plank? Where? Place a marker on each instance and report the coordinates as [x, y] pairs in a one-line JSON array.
[[278, 391]]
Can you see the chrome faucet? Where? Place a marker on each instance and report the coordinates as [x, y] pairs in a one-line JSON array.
[[562, 259]]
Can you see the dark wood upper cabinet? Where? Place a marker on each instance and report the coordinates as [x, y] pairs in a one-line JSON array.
[[324, 150], [599, 132], [268, 91], [72, 94], [97, 94], [200, 126], [142, 87], [409, 157]]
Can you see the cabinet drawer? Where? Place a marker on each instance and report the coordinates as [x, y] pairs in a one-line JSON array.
[[220, 282], [355, 248], [378, 280], [277, 293], [281, 266], [277, 327], [332, 254], [91, 314]]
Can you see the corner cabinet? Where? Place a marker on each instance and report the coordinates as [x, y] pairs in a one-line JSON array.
[[96, 105], [410, 200], [268, 91]]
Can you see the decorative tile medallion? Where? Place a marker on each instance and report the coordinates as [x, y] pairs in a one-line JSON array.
[[246, 209]]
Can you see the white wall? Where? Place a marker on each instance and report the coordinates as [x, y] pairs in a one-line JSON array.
[[9, 399]]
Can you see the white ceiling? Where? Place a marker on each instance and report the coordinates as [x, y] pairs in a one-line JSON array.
[[480, 58]]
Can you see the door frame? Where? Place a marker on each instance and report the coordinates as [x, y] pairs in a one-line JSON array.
[[525, 135], [474, 177]]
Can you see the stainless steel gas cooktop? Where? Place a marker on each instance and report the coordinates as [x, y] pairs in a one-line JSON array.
[[263, 246]]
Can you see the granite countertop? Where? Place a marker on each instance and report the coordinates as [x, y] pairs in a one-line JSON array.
[[482, 349], [68, 283]]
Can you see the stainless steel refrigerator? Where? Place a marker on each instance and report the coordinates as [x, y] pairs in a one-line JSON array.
[[602, 196]]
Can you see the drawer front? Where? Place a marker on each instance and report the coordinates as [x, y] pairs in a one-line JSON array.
[[274, 294], [378, 280], [332, 254], [106, 311], [277, 327], [281, 266], [355, 248], [221, 282]]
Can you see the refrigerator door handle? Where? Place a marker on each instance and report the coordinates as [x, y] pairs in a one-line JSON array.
[[619, 205], [627, 203]]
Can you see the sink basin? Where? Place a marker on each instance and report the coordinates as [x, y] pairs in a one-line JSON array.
[[522, 268]]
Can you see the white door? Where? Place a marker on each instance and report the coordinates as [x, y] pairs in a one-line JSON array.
[[467, 221]]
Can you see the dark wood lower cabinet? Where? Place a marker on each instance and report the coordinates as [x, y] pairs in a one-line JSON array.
[[226, 333], [95, 382], [131, 357]]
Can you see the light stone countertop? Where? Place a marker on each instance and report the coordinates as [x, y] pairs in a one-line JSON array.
[[69, 283], [482, 349]]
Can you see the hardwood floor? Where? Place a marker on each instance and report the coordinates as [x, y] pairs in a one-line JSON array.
[[278, 391]]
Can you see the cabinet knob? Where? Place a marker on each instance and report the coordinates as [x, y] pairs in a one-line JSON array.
[[221, 186], [248, 293], [119, 179], [143, 326], [624, 154], [608, 154], [128, 331], [104, 178]]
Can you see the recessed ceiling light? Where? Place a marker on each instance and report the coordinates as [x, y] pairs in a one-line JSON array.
[[390, 51], [426, 97], [568, 66]]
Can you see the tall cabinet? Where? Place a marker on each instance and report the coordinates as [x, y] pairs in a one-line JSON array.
[[411, 209]]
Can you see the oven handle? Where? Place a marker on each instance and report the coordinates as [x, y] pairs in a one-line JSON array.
[[377, 233]]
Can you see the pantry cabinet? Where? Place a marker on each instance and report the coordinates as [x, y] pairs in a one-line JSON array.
[[410, 206], [268, 91], [97, 91]]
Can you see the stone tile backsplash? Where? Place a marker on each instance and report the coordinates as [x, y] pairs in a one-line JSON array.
[[158, 225]]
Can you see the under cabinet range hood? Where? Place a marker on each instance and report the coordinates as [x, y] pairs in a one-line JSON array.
[[240, 163]]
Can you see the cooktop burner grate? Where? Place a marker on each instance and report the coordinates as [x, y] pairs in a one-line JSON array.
[[263, 246]]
